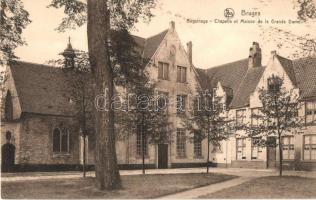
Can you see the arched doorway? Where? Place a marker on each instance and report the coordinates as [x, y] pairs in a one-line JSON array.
[[8, 154]]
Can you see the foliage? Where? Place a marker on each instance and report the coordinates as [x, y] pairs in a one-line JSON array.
[[103, 17], [278, 114], [124, 13], [209, 117], [208, 120], [80, 84], [301, 45], [307, 9], [13, 19], [277, 117]]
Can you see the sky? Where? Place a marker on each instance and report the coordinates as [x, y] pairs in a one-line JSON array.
[[213, 43]]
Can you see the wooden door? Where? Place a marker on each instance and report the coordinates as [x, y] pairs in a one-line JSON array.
[[162, 156], [271, 153]]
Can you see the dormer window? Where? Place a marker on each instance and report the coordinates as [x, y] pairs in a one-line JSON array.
[[8, 110], [274, 83], [163, 71]]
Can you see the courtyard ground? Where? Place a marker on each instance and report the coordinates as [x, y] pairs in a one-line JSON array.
[[134, 186], [165, 183], [293, 187]]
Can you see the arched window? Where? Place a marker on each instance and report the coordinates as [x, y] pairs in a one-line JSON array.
[[56, 140], [65, 141], [61, 140], [8, 109]]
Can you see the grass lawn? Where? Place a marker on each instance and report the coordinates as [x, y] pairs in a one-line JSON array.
[[271, 187], [134, 186]]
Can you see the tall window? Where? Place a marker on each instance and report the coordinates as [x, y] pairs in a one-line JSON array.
[[181, 104], [240, 116], [139, 143], [288, 147], [60, 140], [163, 71], [256, 150], [310, 147], [8, 108], [181, 74], [241, 148], [197, 145], [310, 112], [162, 101], [181, 140]]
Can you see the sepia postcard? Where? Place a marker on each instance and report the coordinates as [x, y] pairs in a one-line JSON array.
[[168, 99]]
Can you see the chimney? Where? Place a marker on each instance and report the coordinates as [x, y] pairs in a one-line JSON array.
[[172, 25], [254, 56], [189, 52]]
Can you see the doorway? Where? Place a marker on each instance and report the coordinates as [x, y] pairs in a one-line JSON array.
[[162, 156], [271, 153], [7, 154]]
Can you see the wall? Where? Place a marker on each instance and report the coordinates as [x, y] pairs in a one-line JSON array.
[[36, 146]]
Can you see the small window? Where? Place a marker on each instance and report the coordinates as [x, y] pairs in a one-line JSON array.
[[310, 147], [240, 116], [197, 145], [181, 74], [241, 148], [163, 71], [274, 84], [255, 117], [310, 112], [288, 147], [181, 141], [60, 140]]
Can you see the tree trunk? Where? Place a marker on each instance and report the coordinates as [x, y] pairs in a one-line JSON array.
[[281, 155], [84, 157], [98, 28], [143, 149], [208, 152]]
